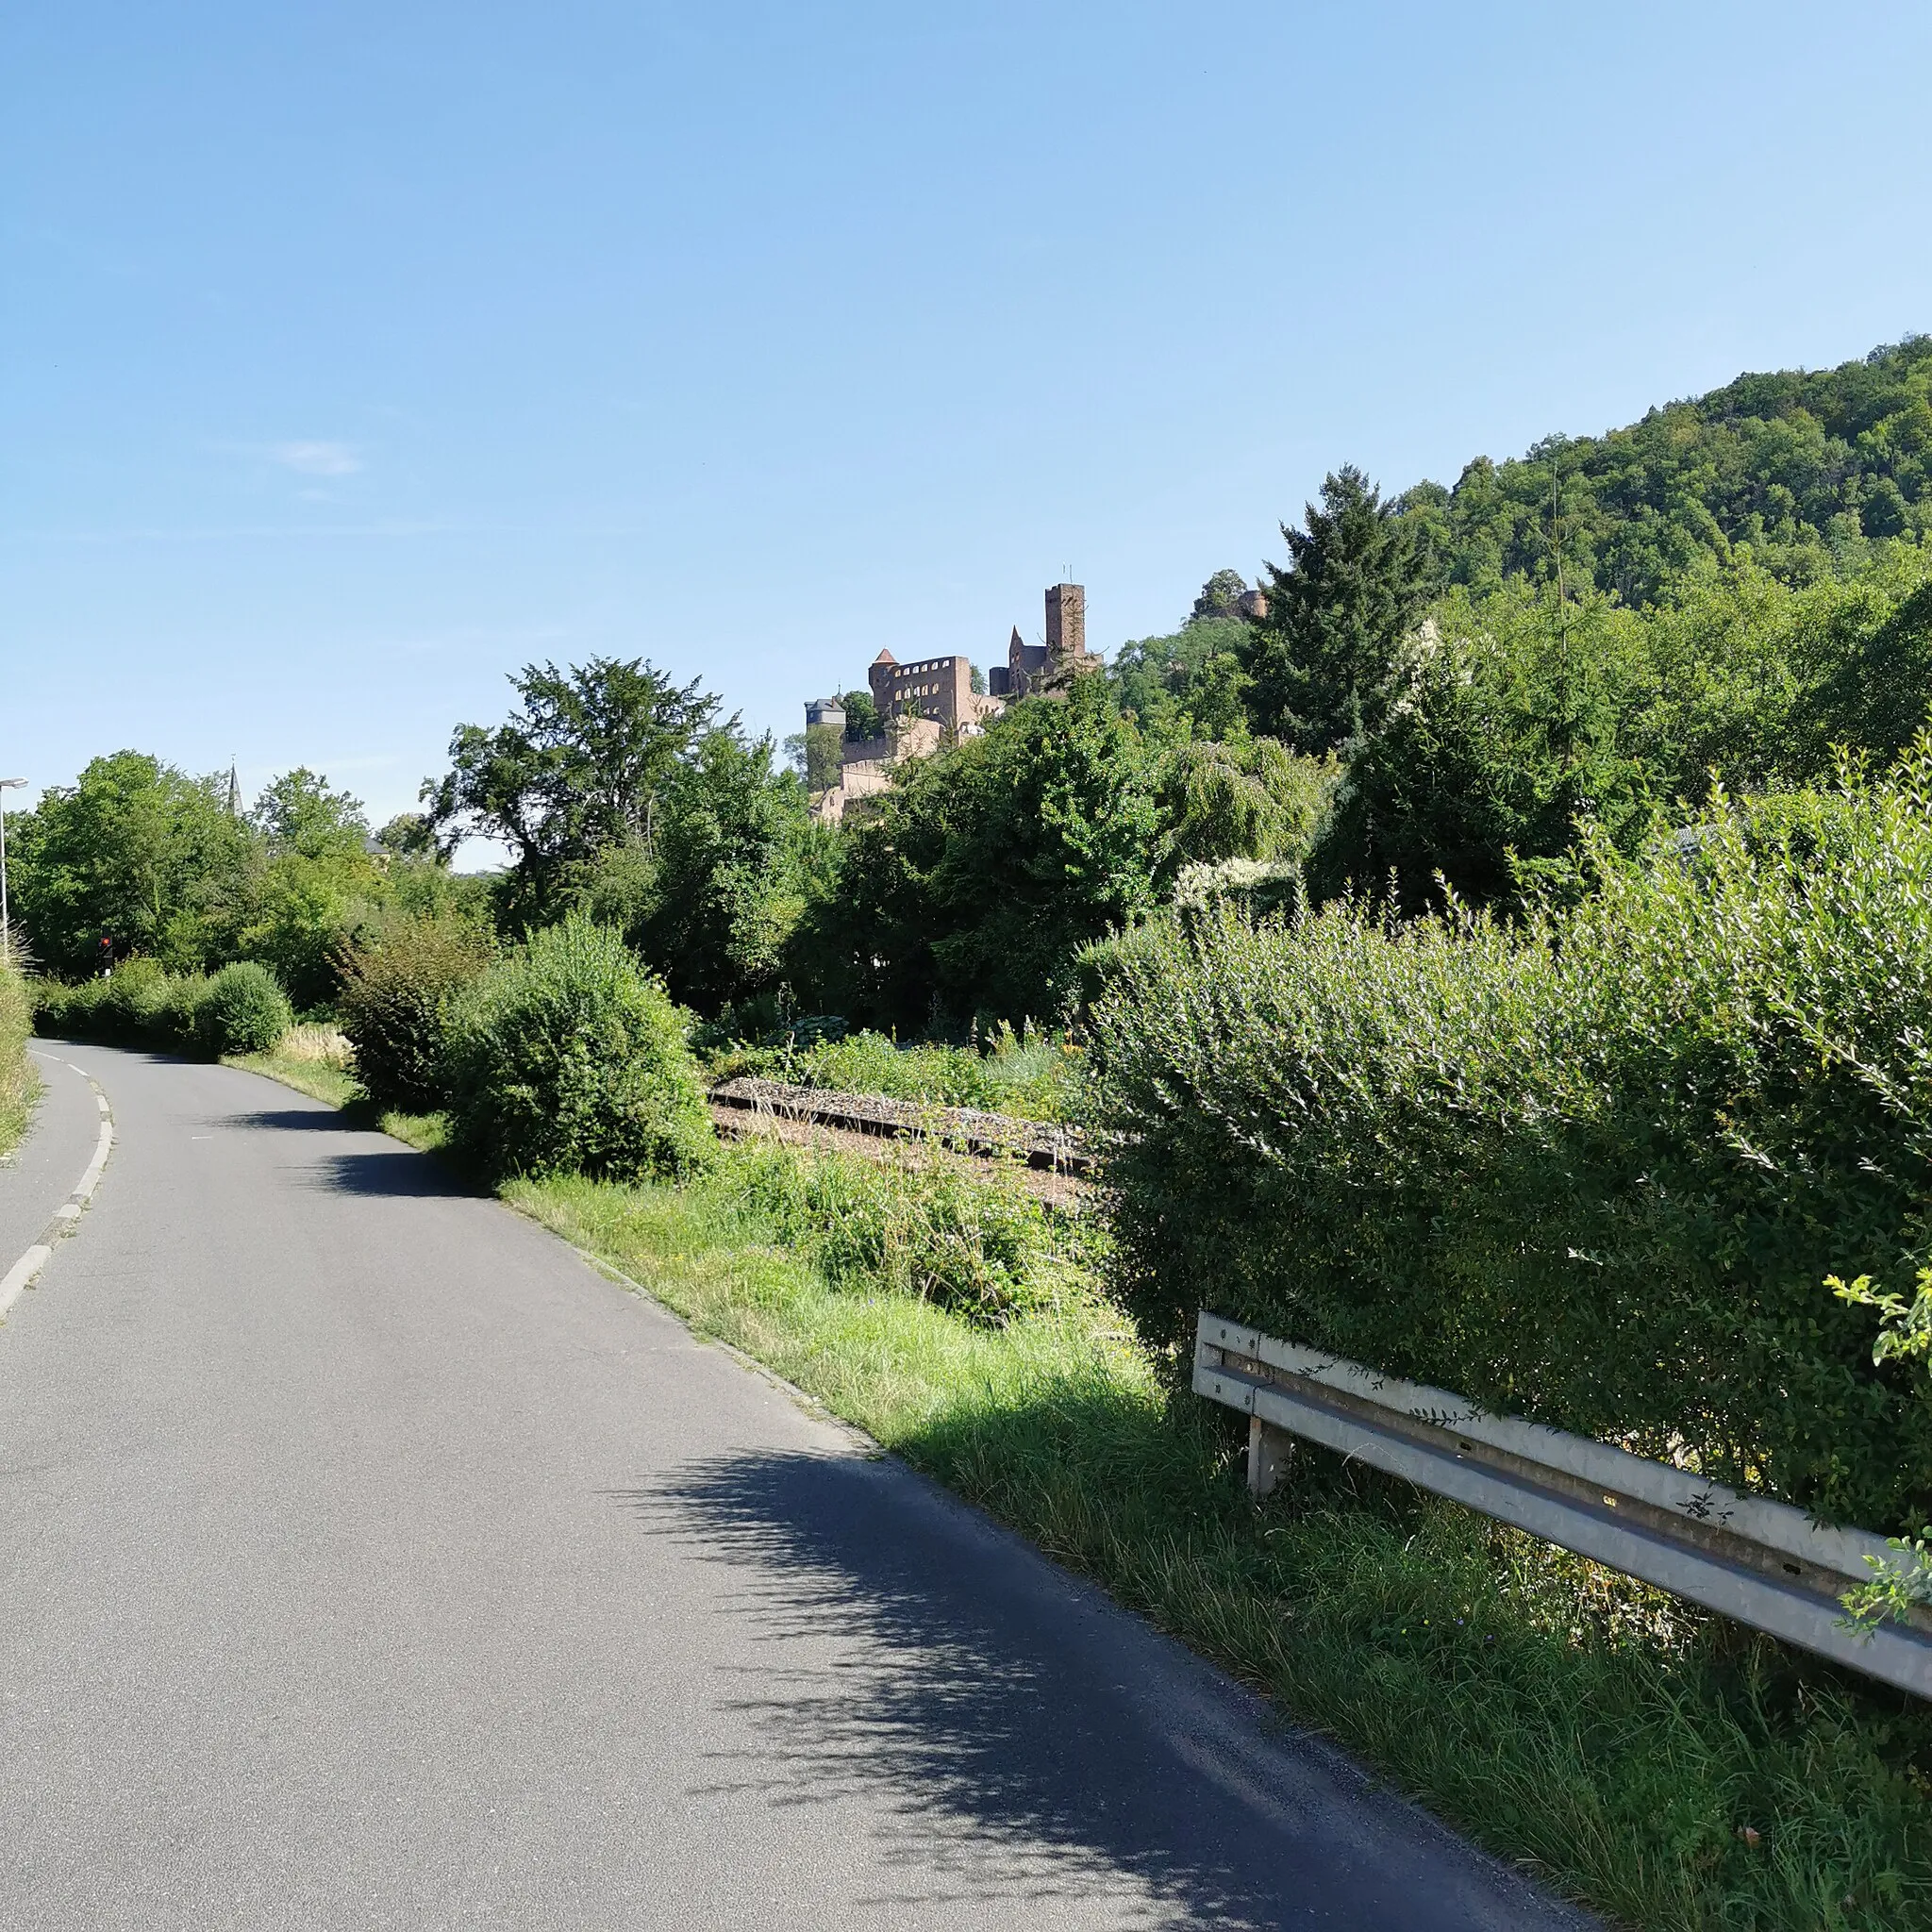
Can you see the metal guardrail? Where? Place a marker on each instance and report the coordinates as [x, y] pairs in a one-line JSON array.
[[1761, 1562]]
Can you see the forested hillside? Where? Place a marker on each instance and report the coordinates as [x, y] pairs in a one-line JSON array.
[[1806, 468]]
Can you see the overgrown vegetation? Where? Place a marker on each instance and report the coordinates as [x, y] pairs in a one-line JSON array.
[[962, 1241], [564, 1057], [20, 1085], [1593, 1168], [1027, 1074]]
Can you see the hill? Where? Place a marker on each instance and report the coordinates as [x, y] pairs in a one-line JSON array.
[[1804, 468]]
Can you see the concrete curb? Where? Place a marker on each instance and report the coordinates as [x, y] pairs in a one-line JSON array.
[[22, 1274]]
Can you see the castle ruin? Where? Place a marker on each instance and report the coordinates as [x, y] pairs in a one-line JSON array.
[[931, 701]]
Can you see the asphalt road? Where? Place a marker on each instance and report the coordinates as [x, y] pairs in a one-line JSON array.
[[367, 1560], [42, 1172]]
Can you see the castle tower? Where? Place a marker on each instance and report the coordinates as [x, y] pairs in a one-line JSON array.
[[1066, 622]]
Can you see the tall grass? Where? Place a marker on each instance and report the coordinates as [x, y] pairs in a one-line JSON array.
[[314, 1043], [20, 1085]]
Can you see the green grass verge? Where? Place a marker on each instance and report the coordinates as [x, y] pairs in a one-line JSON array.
[[1664, 1767], [1032, 1076]]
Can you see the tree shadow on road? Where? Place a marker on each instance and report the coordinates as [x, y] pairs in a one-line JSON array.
[[1031, 1742], [389, 1167]]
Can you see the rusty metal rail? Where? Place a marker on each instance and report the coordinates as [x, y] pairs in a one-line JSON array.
[[967, 1128], [1764, 1563]]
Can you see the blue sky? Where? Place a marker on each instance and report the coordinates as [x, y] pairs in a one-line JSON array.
[[352, 356]]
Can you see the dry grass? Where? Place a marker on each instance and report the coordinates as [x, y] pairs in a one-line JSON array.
[[309, 1043]]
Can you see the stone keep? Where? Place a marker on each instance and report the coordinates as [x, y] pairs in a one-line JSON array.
[[1066, 624]]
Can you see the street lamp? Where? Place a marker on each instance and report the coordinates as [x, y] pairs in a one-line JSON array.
[[5, 931]]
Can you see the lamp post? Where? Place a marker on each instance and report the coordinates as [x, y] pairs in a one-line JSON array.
[[6, 784]]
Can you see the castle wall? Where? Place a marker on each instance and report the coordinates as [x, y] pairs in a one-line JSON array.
[[941, 687]]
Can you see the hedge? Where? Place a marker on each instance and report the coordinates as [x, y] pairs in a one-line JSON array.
[[394, 1005], [241, 1009], [1594, 1169]]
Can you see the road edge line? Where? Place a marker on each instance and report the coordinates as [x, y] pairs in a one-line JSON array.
[[24, 1273], [802, 1398]]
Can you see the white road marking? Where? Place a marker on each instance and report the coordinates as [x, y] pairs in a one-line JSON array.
[[21, 1275]]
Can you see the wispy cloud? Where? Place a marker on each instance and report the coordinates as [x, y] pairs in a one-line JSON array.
[[316, 459]]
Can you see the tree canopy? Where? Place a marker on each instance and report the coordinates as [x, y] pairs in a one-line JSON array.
[[1803, 467], [1359, 578], [582, 764]]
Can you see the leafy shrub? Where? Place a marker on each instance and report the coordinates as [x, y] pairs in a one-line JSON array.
[[1593, 1170], [141, 1004], [932, 1230], [394, 1004], [140, 1000], [244, 1009], [68, 1010], [567, 1056]]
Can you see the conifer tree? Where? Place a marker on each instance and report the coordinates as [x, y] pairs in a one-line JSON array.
[[1357, 579]]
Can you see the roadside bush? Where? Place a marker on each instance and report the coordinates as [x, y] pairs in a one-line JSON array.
[[141, 1004], [68, 1010], [1593, 1170], [395, 1003], [566, 1057], [968, 1243], [245, 1010], [140, 1000]]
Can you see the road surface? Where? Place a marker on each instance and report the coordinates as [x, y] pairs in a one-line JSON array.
[[367, 1560]]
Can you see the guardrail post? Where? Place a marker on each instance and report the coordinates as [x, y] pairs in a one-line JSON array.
[[1268, 1453]]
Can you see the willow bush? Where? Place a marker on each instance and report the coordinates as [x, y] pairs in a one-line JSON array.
[[1593, 1169]]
